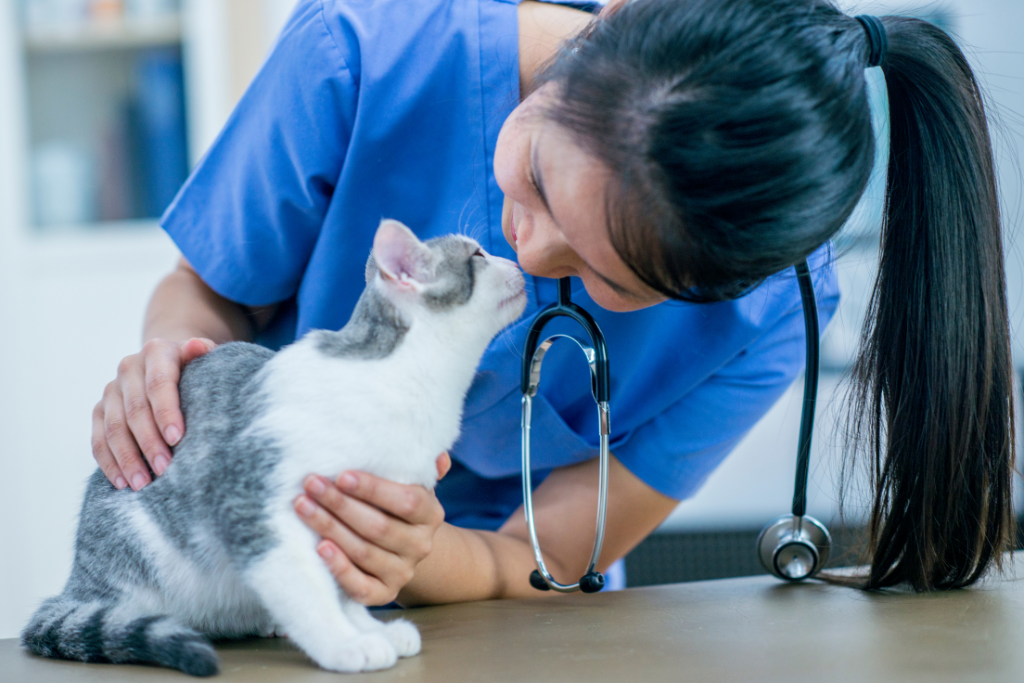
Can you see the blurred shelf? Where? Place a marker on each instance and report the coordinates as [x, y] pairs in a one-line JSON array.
[[105, 35], [116, 247], [94, 230]]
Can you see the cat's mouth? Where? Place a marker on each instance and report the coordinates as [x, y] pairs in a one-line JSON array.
[[512, 299]]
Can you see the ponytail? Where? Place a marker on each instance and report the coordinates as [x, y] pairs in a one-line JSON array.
[[740, 135], [932, 391]]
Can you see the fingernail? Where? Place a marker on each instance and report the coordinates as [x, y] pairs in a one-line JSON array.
[[315, 485], [160, 465], [139, 481], [348, 481], [173, 435], [120, 483], [326, 551], [305, 507]]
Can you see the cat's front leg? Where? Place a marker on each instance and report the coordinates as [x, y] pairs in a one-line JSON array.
[[301, 595]]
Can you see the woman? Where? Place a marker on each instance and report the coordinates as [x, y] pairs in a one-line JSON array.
[[673, 150]]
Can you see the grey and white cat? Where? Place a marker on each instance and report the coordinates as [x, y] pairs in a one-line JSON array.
[[213, 549]]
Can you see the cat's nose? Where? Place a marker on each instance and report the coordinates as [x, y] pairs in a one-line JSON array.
[[500, 260]]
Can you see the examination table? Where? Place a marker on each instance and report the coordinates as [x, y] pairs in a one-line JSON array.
[[749, 629]]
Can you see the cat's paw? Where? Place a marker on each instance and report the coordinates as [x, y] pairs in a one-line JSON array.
[[404, 636], [271, 630], [367, 652]]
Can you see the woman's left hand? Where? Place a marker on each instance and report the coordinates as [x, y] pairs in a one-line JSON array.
[[374, 531]]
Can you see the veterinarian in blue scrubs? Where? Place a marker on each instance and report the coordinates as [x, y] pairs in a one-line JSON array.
[[396, 108]]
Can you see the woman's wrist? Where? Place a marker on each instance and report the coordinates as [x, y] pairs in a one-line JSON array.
[[470, 564], [452, 572]]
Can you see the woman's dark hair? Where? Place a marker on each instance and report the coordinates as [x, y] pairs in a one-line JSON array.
[[740, 135]]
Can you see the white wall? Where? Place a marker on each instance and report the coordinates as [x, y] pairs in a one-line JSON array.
[[71, 308]]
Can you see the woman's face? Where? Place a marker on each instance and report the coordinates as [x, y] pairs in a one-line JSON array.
[[554, 213]]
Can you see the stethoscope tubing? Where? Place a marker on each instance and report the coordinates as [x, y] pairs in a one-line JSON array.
[[602, 497], [784, 533], [597, 359], [564, 307], [803, 456]]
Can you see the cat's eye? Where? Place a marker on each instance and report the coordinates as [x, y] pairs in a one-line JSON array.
[[480, 252]]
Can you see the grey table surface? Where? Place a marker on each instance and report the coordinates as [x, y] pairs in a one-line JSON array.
[[751, 629]]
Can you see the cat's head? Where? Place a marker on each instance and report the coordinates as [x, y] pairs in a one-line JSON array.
[[450, 278]]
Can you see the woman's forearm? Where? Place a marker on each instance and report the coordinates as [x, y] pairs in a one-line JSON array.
[[184, 307], [469, 564], [466, 564]]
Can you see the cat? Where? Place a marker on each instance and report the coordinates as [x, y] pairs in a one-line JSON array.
[[213, 548]]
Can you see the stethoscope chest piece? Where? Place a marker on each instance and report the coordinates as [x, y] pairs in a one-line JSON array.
[[794, 548]]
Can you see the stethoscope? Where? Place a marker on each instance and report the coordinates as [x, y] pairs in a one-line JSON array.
[[793, 547]]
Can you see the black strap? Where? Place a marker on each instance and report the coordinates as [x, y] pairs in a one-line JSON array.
[[878, 40]]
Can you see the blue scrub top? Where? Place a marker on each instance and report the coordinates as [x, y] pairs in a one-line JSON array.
[[391, 108]]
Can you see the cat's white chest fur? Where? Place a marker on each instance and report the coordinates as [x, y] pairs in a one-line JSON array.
[[329, 414]]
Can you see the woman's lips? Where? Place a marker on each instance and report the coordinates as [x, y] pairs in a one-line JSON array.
[[512, 226]]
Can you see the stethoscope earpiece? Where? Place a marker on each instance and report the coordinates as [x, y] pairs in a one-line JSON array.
[[538, 582], [591, 582]]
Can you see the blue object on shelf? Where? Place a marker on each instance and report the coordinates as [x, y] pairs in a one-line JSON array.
[[163, 142]]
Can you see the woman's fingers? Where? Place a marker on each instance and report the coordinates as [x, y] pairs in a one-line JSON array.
[[358, 585], [413, 504], [195, 347], [163, 363], [139, 418], [382, 529], [368, 573], [370, 523], [101, 451], [120, 440], [139, 415], [444, 465]]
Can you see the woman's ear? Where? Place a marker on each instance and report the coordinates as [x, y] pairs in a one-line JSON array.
[[611, 6], [400, 256]]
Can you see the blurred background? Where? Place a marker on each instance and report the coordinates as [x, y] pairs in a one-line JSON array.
[[104, 107]]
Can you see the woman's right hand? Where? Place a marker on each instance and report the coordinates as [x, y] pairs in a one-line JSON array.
[[139, 415]]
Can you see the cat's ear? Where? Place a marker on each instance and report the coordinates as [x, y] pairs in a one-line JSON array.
[[400, 256]]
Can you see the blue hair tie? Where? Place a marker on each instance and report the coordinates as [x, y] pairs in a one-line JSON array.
[[878, 40]]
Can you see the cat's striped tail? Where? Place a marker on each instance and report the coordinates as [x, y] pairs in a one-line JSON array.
[[64, 628]]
